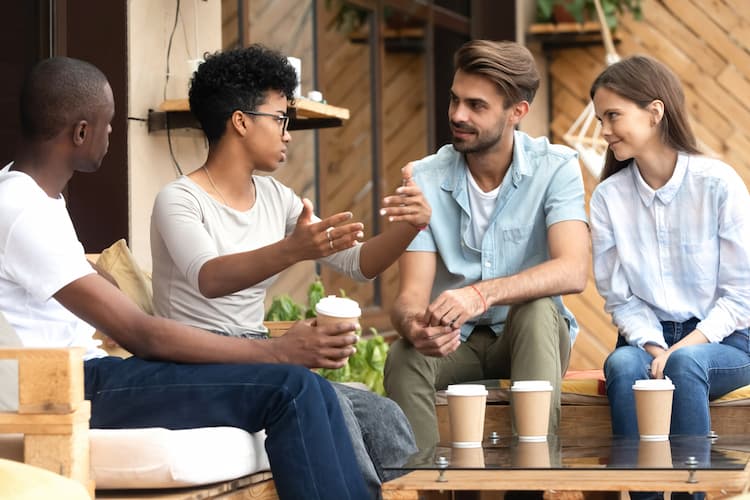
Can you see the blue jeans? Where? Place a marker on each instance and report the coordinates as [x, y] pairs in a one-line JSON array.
[[308, 446], [380, 433], [700, 373]]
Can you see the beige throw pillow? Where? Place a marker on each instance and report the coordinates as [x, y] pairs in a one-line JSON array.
[[118, 261]]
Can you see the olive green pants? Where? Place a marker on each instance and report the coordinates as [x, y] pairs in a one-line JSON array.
[[535, 345]]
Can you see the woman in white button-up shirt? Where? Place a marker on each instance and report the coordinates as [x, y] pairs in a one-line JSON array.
[[671, 240]]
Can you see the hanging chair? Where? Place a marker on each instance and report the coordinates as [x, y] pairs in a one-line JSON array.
[[585, 133]]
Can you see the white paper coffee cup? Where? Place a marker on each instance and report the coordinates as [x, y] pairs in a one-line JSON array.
[[531, 405], [296, 63], [333, 310], [466, 406]]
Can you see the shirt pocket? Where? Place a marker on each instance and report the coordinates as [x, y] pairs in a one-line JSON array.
[[521, 249], [700, 262]]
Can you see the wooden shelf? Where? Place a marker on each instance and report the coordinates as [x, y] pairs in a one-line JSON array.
[[304, 115], [567, 34]]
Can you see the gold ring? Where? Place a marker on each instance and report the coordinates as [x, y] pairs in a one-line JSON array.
[[330, 244]]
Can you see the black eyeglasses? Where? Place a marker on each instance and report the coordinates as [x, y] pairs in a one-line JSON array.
[[283, 120]]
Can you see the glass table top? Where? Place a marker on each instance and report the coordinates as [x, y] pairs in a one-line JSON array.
[[679, 452]]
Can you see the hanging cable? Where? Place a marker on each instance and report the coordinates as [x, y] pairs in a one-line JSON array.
[[166, 82]]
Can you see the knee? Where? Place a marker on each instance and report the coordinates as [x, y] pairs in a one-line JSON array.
[[625, 363], [533, 309], [301, 380], [389, 410], [537, 318], [682, 365]]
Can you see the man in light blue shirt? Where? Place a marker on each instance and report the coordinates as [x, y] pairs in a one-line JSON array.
[[480, 287]]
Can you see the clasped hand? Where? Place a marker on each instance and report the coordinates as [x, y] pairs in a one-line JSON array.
[[437, 332]]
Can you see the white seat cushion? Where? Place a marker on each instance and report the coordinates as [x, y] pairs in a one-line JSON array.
[[162, 458]]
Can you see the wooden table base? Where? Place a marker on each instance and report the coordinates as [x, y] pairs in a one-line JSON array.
[[717, 483]]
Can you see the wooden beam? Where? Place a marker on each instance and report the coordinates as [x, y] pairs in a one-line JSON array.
[[50, 380]]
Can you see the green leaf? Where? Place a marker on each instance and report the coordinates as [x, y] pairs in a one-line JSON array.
[[315, 292], [283, 308]]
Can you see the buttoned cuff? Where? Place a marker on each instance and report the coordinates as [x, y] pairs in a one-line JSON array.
[[717, 326]]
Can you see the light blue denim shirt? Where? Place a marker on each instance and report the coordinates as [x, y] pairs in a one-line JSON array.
[[679, 252], [542, 187]]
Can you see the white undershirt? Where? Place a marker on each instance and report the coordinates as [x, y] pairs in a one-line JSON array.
[[482, 204]]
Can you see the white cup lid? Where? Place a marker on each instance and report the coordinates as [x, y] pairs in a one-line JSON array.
[[466, 390], [653, 384], [531, 385], [338, 307]]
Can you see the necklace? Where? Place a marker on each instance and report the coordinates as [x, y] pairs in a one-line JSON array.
[[214, 186]]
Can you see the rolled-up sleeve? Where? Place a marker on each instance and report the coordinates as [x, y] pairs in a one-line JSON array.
[[566, 195]]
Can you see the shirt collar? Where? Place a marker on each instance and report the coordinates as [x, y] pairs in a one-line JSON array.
[[667, 192], [519, 166]]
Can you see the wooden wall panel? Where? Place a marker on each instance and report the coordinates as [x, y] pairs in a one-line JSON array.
[[347, 176], [287, 26], [707, 43], [345, 153]]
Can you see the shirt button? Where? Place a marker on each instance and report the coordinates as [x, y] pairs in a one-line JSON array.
[[487, 264]]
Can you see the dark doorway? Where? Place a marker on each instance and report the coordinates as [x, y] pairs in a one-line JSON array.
[[95, 31], [25, 38], [98, 203]]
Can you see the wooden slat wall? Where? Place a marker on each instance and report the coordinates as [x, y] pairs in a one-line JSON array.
[[287, 26], [345, 153], [346, 169], [707, 43]]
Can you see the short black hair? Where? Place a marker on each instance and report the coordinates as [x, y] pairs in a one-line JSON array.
[[237, 79], [58, 92]]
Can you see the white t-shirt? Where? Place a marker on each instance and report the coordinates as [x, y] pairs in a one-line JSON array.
[[189, 228], [39, 254], [482, 206]]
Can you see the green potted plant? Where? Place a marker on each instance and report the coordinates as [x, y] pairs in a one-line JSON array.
[[582, 10]]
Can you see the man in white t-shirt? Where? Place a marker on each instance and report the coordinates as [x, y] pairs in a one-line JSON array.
[[53, 298]]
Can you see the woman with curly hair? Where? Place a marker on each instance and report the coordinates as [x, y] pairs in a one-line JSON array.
[[221, 235]]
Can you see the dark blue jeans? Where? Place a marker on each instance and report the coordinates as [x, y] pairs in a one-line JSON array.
[[700, 373], [308, 444]]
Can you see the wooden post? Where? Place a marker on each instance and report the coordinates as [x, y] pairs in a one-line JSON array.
[[52, 414]]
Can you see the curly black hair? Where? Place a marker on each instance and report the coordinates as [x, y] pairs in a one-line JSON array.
[[237, 79]]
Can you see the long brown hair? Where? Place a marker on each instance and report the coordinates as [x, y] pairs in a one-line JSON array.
[[642, 79]]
